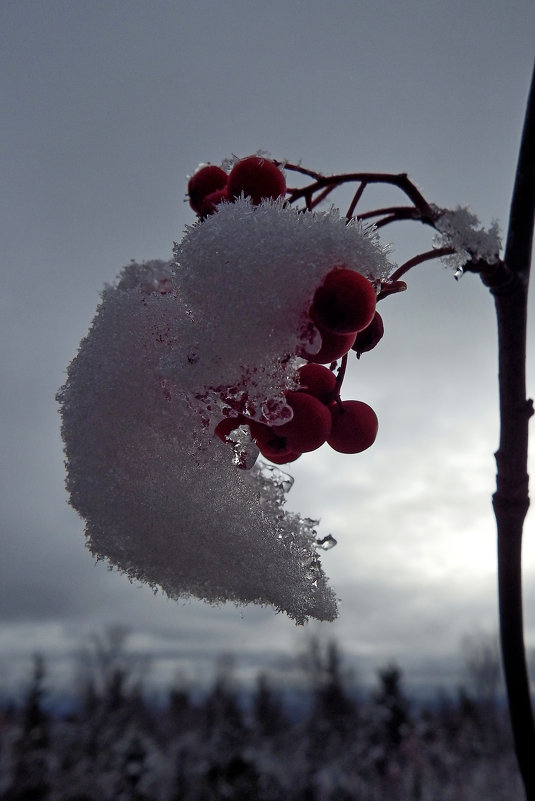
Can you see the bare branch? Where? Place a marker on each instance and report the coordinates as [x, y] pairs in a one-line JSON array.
[[511, 499], [436, 253], [400, 180], [356, 198]]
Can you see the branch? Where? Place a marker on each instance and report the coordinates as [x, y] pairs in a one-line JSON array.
[[322, 195], [399, 180], [298, 168], [522, 217], [415, 215], [401, 212], [511, 499], [356, 197], [436, 253]]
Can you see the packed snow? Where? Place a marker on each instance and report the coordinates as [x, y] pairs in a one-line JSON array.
[[173, 349]]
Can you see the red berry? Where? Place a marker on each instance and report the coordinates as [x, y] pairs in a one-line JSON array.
[[370, 336], [282, 456], [257, 178], [226, 426], [317, 381], [333, 347], [212, 201], [354, 427], [205, 181], [260, 432], [270, 445], [309, 427], [344, 303]]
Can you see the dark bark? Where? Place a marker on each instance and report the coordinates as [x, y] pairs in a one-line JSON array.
[[509, 284]]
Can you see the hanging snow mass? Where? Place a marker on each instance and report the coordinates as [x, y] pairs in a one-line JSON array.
[[218, 338]]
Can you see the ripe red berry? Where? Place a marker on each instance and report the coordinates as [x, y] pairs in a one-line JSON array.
[[205, 181], [317, 381], [212, 201], [333, 346], [344, 303], [257, 178], [226, 426], [309, 427], [370, 336], [260, 432], [270, 445], [354, 427], [281, 457], [278, 455]]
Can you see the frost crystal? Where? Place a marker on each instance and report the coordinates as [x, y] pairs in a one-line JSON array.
[[247, 275], [461, 229], [173, 348]]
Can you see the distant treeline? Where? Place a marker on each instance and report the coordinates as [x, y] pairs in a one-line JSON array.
[[118, 746]]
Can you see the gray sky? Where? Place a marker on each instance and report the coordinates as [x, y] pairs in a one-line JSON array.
[[107, 108]]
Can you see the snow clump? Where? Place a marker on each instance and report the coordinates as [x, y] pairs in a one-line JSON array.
[[173, 349], [462, 230]]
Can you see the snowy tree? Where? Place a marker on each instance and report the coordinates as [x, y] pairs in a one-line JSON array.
[[393, 706], [333, 706], [32, 755], [269, 717], [481, 656]]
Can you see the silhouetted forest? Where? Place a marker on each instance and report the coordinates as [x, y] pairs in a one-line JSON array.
[[343, 746]]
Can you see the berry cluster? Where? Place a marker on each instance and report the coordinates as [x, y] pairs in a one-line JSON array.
[[319, 416], [254, 177], [343, 310]]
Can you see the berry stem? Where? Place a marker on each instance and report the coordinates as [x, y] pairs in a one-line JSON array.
[[322, 195], [390, 288], [356, 198], [396, 214], [436, 253], [339, 380], [399, 180], [298, 168], [387, 210]]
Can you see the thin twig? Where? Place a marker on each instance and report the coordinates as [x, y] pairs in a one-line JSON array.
[[322, 195], [298, 168], [436, 253], [391, 218], [357, 196], [399, 180], [406, 211]]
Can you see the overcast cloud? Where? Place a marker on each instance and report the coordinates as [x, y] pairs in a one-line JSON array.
[[107, 109]]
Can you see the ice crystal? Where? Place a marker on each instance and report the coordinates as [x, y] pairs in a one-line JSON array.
[[174, 346], [461, 230], [248, 275]]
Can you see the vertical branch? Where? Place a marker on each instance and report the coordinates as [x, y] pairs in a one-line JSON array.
[[511, 502], [511, 499]]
